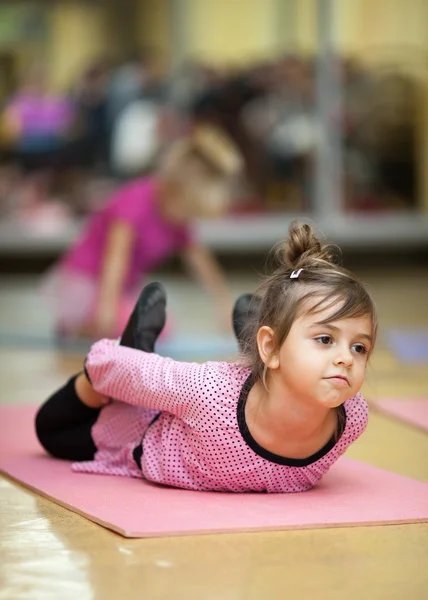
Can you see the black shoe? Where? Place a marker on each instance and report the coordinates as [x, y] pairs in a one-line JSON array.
[[246, 308], [147, 319]]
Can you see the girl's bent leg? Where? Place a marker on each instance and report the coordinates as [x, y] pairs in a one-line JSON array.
[[64, 423]]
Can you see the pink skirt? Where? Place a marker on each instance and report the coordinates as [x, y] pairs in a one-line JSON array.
[[72, 298]]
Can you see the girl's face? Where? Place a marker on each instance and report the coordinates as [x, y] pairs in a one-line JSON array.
[[194, 193], [175, 202], [183, 203], [323, 364]]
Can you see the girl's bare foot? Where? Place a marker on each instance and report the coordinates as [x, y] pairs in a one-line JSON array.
[[87, 394]]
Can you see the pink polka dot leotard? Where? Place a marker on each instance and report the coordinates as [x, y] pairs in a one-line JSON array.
[[190, 421]]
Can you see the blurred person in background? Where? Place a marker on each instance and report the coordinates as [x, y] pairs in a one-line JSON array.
[[136, 139], [36, 119], [95, 285], [190, 81], [56, 141], [36, 124], [140, 76], [90, 99], [135, 109], [284, 124], [221, 104], [384, 139]]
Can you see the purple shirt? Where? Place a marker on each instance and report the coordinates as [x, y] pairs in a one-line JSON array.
[[155, 240], [42, 115]]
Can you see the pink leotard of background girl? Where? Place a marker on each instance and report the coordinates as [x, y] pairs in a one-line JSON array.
[[155, 238]]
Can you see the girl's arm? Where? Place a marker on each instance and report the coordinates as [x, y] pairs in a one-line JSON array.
[[120, 240], [205, 268], [146, 379]]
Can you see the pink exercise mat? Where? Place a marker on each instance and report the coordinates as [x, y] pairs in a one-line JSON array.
[[413, 412], [352, 494]]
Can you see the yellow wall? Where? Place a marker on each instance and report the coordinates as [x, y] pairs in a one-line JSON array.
[[154, 28], [81, 32], [78, 35], [363, 23], [224, 31], [233, 31], [373, 30], [154, 24], [306, 26]]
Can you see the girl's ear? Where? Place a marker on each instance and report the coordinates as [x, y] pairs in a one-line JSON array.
[[266, 346]]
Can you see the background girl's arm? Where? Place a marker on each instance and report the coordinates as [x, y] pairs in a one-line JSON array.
[[205, 268], [120, 241], [146, 379]]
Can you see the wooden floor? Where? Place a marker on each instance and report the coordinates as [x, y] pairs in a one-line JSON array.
[[47, 552]]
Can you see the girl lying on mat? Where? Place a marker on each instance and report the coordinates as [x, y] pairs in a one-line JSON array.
[[275, 420]]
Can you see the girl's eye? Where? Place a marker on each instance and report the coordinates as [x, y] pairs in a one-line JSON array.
[[359, 348], [325, 340]]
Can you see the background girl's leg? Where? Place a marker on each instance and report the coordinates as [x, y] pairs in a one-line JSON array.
[[70, 297]]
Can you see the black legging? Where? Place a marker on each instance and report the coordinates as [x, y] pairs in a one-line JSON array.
[[64, 423]]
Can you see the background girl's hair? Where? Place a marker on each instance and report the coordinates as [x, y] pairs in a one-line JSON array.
[[218, 149], [322, 284], [205, 166], [209, 147]]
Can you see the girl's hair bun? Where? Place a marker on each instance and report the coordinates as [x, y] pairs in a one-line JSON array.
[[303, 249]]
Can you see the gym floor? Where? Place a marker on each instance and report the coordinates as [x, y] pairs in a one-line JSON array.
[[49, 552]]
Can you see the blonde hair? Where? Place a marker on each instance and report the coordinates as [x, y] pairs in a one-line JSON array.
[[281, 299], [207, 163]]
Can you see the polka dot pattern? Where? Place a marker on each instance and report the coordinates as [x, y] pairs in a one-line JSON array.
[[187, 416]]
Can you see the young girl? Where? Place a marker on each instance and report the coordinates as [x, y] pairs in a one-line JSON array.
[[273, 421], [96, 284]]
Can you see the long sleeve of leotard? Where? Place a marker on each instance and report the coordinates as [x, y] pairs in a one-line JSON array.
[[146, 379]]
